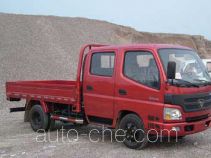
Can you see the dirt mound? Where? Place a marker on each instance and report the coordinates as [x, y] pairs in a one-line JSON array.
[[47, 47]]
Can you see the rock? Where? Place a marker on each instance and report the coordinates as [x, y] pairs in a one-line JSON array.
[[195, 143]]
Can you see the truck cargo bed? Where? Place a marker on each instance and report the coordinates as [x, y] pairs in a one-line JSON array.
[[59, 91]]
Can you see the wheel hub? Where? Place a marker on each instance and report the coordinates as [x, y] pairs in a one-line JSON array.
[[131, 132], [36, 118]]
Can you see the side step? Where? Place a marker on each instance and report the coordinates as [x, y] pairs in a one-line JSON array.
[[69, 119]]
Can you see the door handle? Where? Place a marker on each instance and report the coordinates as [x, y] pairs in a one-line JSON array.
[[122, 92], [89, 88]]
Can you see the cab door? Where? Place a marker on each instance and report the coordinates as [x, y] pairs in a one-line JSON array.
[[139, 84], [98, 86]]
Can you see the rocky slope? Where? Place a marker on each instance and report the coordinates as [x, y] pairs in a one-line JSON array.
[[47, 47], [43, 47]]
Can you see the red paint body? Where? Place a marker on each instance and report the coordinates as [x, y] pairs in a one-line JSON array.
[[105, 101]]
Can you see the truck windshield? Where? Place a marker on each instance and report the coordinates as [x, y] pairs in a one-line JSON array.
[[189, 66]]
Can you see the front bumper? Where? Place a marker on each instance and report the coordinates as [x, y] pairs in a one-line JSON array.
[[184, 128]]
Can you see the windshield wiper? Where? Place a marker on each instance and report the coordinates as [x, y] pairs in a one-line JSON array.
[[204, 81], [187, 83]]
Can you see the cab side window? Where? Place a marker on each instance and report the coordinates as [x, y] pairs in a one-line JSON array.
[[102, 63], [141, 67]]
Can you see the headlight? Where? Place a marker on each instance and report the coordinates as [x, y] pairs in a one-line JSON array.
[[172, 114]]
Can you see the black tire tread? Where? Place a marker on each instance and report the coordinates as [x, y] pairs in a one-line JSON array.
[[45, 118], [139, 122]]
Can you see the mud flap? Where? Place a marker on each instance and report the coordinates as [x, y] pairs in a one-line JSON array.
[[26, 116]]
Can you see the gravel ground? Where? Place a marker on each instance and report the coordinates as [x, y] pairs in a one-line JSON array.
[[18, 140], [38, 47]]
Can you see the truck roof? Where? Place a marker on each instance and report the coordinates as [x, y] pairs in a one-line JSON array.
[[133, 46]]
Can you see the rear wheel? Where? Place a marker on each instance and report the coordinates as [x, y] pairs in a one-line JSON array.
[[135, 136], [39, 120]]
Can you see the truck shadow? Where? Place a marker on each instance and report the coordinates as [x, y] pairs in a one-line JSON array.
[[105, 135]]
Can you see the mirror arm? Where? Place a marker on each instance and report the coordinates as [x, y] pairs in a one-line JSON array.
[[172, 81]]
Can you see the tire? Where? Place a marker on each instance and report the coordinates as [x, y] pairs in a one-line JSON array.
[[135, 135], [39, 120]]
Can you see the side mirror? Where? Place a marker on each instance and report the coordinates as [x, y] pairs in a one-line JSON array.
[[171, 70]]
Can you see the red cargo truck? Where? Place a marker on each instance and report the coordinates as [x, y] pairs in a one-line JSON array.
[[136, 88]]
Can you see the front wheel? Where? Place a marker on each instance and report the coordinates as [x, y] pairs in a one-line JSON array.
[[133, 127], [39, 120]]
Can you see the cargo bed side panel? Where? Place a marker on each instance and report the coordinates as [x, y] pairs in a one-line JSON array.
[[53, 91]]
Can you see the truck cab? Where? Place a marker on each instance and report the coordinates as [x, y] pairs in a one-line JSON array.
[[157, 89], [134, 79]]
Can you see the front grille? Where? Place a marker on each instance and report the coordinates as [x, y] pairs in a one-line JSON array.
[[190, 102], [196, 118], [208, 97]]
